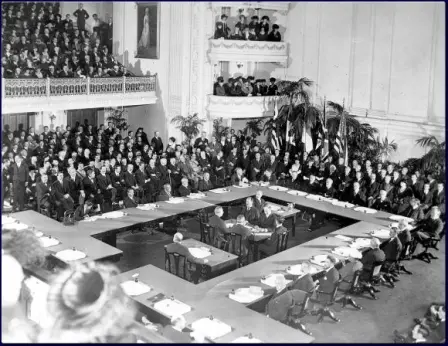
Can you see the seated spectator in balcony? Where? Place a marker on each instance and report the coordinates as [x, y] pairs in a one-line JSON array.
[[115, 72], [219, 32], [257, 88], [38, 72], [272, 88], [253, 36], [241, 23], [219, 89], [246, 34], [274, 35], [236, 89], [255, 25], [263, 87], [263, 35], [264, 24], [246, 89]]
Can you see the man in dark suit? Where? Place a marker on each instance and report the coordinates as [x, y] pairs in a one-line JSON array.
[[269, 246], [355, 195], [61, 193], [81, 17], [345, 179], [256, 166], [382, 203], [19, 178], [165, 194], [75, 186], [105, 185], [157, 143], [201, 142], [267, 219], [427, 228], [416, 186], [426, 197], [129, 179], [91, 187], [241, 229], [372, 256], [43, 193], [130, 201], [238, 177], [259, 202], [184, 189], [250, 213], [372, 189], [219, 225], [414, 211], [329, 191], [205, 184], [313, 185], [294, 182]]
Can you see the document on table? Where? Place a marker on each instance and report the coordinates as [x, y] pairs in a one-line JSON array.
[[135, 288], [172, 307], [70, 255], [175, 200], [211, 328]]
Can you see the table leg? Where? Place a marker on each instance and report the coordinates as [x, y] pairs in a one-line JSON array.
[[255, 255], [294, 225]]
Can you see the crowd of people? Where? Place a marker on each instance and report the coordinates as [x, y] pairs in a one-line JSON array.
[[256, 30], [241, 86], [38, 43]]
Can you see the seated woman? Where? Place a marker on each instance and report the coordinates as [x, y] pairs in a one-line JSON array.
[[219, 32]]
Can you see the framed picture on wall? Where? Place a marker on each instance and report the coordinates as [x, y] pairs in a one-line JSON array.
[[148, 30]]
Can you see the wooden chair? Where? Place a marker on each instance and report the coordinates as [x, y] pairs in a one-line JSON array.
[[208, 234], [69, 218], [369, 278], [282, 244], [235, 245], [430, 243], [178, 265], [348, 284], [203, 224], [326, 295]]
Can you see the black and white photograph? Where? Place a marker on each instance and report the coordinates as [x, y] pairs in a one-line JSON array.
[[223, 172]]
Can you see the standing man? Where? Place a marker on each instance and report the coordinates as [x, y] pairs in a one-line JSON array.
[[157, 143], [19, 178], [81, 17], [109, 34]]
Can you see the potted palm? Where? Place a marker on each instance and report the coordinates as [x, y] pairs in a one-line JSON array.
[[219, 129], [189, 126], [119, 119]]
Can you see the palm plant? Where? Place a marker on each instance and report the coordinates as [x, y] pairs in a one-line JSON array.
[[253, 127], [219, 129], [188, 125], [119, 119], [381, 150]]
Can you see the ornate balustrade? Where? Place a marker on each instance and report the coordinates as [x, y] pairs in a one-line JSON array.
[[273, 6], [258, 51], [25, 95], [241, 107]]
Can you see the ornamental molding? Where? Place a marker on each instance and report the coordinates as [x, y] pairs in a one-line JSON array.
[[241, 107], [273, 6]]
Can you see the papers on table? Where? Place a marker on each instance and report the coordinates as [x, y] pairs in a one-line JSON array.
[[93, 218], [201, 252], [70, 255], [247, 295], [278, 188], [175, 200], [246, 340], [38, 234], [113, 215], [230, 224], [345, 251], [327, 199], [314, 197], [259, 183], [196, 195], [15, 226], [399, 218], [211, 328], [342, 204], [133, 288], [241, 186], [271, 279], [7, 220], [275, 207], [320, 260], [302, 269], [365, 210], [381, 233], [221, 190], [172, 307], [47, 241], [343, 237], [297, 193], [149, 206], [360, 243]]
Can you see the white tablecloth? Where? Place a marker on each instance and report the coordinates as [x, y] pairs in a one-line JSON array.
[[172, 307], [132, 288], [212, 329]]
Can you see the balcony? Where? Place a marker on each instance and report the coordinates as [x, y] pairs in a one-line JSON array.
[[273, 6], [229, 107], [37, 95], [256, 51]]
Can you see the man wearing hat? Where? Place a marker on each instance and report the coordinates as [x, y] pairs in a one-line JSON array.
[[264, 23], [254, 25]]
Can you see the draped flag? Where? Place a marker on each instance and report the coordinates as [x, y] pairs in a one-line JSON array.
[[307, 140], [340, 145], [274, 140], [275, 109]]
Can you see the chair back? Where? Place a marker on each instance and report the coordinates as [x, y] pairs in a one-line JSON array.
[[44, 211], [282, 241], [328, 286], [176, 264], [349, 276], [235, 244], [376, 270], [203, 222], [208, 234], [69, 218]]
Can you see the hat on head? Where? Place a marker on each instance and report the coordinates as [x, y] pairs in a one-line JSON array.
[[275, 26]]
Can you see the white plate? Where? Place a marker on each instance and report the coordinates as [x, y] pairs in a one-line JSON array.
[[47, 241], [172, 307], [365, 210], [132, 288], [342, 204], [346, 251], [218, 190], [300, 270], [399, 218], [70, 255], [259, 183], [271, 278], [319, 260], [278, 188], [297, 193], [246, 295], [113, 215], [211, 329], [246, 340], [360, 243], [381, 233], [314, 197], [175, 200], [15, 226], [199, 253]]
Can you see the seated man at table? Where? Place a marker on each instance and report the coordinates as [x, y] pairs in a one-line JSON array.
[[84, 211], [165, 194], [414, 211], [382, 203], [430, 227], [312, 186], [329, 191], [267, 219], [205, 184], [184, 189], [238, 178], [177, 247], [241, 229], [294, 183], [259, 202], [251, 214], [219, 225], [269, 246], [130, 201], [268, 177], [371, 257], [355, 195], [392, 249]]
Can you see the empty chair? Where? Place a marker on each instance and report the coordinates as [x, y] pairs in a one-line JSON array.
[[326, 294], [349, 275], [237, 245]]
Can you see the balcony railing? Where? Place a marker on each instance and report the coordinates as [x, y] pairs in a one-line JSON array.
[[21, 88], [241, 107], [258, 51], [273, 6]]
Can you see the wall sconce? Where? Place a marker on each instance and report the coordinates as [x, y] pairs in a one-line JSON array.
[[239, 64]]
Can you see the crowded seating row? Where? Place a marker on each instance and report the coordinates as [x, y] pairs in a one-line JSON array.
[[241, 86]]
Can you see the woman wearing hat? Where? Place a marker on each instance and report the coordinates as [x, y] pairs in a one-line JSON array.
[[274, 35], [87, 305]]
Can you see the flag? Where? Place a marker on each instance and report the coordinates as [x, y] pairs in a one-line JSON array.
[[274, 140], [307, 140], [340, 145], [288, 128], [275, 109]]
